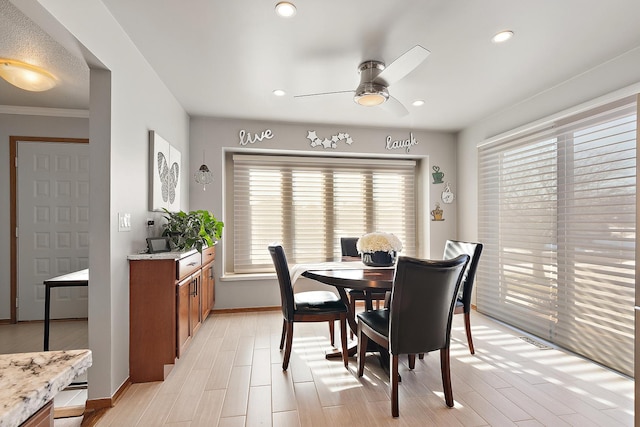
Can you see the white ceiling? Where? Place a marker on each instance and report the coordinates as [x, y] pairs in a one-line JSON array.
[[224, 59]]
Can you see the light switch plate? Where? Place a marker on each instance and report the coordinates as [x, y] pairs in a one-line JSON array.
[[124, 221]]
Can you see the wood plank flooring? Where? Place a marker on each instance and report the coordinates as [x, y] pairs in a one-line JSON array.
[[231, 376]]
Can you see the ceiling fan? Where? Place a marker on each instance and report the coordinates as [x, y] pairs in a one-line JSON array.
[[375, 79]]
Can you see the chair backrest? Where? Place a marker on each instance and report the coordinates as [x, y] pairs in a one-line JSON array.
[[422, 303], [284, 279], [452, 249], [348, 245]]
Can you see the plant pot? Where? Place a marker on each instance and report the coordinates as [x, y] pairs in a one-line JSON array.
[[379, 259]]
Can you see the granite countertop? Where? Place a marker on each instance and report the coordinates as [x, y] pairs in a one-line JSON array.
[[160, 255], [29, 380]]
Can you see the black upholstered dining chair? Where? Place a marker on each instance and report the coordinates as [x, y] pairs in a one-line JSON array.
[[310, 306], [418, 319], [452, 249]]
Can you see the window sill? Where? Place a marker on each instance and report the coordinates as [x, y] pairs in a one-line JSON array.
[[236, 277]]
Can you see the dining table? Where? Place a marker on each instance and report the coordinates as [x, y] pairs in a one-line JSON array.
[[344, 276]]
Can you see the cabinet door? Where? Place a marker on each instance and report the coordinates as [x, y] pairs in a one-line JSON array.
[[194, 303], [208, 296], [183, 298]]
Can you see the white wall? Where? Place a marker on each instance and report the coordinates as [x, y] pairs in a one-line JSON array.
[[24, 125], [127, 100], [214, 136], [610, 79]]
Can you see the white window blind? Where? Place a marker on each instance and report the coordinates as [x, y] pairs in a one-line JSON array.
[[557, 219], [308, 203]]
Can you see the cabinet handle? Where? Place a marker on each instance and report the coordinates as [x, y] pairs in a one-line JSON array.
[[191, 264]]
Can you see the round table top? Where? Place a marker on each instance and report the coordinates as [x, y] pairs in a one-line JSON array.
[[357, 278]]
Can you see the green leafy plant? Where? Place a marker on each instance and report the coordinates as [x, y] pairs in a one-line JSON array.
[[194, 229]]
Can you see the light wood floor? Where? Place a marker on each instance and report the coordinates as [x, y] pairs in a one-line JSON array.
[[231, 375]]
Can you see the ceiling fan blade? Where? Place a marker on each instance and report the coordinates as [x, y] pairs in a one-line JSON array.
[[402, 66], [323, 93], [394, 106]]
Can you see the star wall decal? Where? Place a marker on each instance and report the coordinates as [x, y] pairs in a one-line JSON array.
[[331, 142]]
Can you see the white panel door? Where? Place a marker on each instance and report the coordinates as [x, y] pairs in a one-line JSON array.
[[53, 226]]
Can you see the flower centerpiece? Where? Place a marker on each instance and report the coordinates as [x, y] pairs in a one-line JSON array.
[[379, 249]]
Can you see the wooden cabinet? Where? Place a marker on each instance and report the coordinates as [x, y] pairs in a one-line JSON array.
[[208, 282], [42, 418], [167, 304]]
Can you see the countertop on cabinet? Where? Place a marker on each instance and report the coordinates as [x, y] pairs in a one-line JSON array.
[[29, 380], [161, 255]]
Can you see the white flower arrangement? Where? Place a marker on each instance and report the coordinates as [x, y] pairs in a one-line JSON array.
[[378, 242]]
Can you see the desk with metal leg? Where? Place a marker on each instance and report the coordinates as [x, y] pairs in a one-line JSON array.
[[77, 278]]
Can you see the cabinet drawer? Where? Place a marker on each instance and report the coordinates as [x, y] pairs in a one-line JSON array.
[[188, 265], [208, 255]]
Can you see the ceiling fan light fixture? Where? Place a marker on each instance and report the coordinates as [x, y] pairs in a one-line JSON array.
[[26, 76], [371, 94], [285, 9]]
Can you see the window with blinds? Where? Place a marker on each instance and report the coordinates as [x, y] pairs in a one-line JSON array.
[[557, 219], [308, 203]]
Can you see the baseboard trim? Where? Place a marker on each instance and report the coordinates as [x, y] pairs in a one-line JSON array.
[[245, 310], [95, 404]]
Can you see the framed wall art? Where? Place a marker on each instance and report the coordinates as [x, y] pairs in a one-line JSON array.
[[166, 173]]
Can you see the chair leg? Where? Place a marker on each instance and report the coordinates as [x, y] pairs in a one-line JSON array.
[[363, 341], [352, 303], [332, 333], [467, 327], [343, 338], [287, 349], [412, 361], [393, 377], [421, 356], [445, 367], [284, 333]]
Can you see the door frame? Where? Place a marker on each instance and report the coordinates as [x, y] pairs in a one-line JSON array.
[[13, 201]]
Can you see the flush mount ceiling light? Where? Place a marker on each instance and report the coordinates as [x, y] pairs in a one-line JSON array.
[[502, 36], [26, 76], [418, 103], [285, 9], [203, 175], [279, 92]]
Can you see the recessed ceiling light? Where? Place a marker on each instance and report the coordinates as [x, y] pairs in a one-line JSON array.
[[502, 36], [279, 92], [418, 103], [285, 9]]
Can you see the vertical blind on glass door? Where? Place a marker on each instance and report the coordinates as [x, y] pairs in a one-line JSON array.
[[557, 219], [308, 203]]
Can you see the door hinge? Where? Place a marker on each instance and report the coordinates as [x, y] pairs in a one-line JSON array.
[[17, 235], [15, 160], [17, 303]]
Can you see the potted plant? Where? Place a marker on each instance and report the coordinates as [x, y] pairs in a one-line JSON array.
[[194, 229], [379, 249]]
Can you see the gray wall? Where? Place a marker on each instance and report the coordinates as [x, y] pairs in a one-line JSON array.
[[215, 136], [24, 125], [127, 100]]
